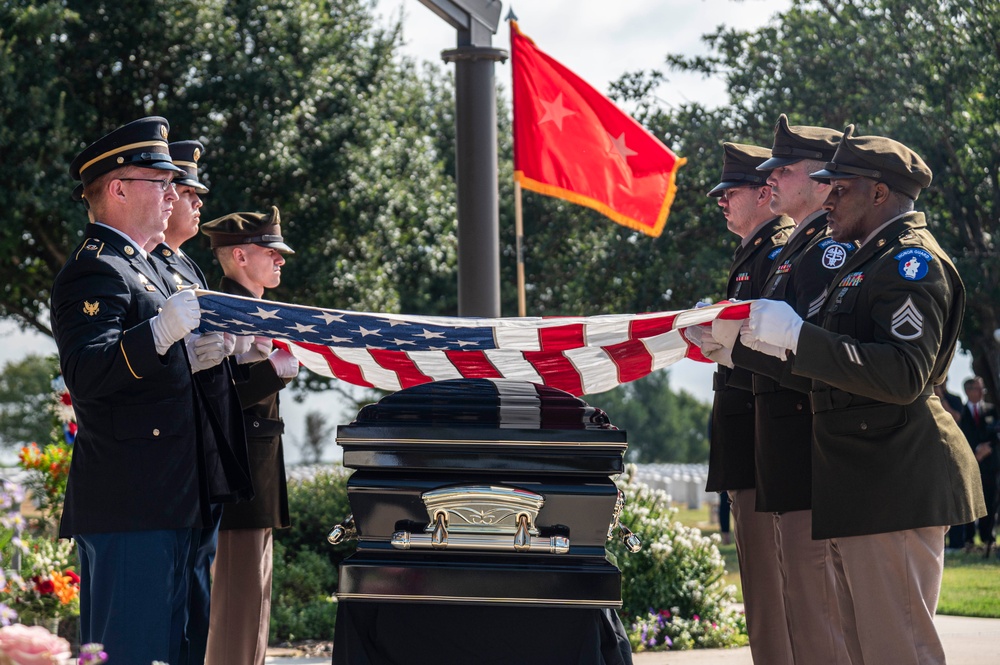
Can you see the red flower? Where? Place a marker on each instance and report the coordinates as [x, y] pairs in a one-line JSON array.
[[45, 586], [65, 399], [73, 576]]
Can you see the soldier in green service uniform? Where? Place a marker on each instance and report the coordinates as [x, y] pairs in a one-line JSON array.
[[891, 469], [745, 197]]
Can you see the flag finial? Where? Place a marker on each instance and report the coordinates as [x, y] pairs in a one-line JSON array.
[[511, 16]]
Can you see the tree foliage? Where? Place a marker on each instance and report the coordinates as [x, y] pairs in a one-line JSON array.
[[663, 425], [921, 71], [301, 104], [26, 401]]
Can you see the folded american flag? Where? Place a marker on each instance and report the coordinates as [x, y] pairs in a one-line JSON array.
[[580, 355]]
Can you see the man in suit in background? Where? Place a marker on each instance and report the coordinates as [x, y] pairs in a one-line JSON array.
[[979, 424]]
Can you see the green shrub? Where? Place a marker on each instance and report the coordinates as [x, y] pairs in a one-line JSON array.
[[303, 605], [673, 592]]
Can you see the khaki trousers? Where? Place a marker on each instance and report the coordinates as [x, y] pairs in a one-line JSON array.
[[809, 591], [760, 574], [888, 585], [241, 598]]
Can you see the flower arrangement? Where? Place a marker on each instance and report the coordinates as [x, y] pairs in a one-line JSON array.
[[48, 472], [673, 592], [46, 588]]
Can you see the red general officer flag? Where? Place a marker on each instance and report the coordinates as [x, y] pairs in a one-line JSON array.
[[573, 143]]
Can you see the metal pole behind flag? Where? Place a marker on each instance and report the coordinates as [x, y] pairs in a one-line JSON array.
[[519, 247]]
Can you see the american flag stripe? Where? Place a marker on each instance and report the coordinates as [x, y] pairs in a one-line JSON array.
[[580, 355]]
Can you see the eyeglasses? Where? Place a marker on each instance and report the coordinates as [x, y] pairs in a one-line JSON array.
[[164, 184], [727, 194]]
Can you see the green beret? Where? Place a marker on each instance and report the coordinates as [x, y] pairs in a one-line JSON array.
[[142, 142], [739, 167], [793, 143], [880, 159], [185, 154], [247, 228]]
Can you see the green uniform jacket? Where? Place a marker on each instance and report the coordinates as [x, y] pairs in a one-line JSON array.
[[258, 385], [886, 456], [800, 276], [730, 457]]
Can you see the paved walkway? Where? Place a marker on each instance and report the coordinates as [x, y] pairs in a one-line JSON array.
[[967, 641]]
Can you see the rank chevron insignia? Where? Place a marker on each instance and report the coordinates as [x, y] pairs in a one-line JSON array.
[[907, 321]]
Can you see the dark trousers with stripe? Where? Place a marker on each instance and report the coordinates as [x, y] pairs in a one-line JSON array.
[[134, 590]]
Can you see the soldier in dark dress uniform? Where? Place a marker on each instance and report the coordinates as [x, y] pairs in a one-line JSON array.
[[744, 197], [800, 276], [251, 250], [137, 487], [213, 379], [891, 469]]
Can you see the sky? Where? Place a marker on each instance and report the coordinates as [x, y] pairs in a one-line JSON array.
[[599, 41]]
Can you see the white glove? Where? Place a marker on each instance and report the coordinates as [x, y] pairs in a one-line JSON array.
[[695, 334], [725, 332], [716, 351], [229, 343], [205, 351], [773, 322], [179, 315], [285, 364], [754, 344], [259, 350], [241, 344], [701, 303]]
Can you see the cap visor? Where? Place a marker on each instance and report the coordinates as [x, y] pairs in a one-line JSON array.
[[77, 194], [161, 166], [775, 162], [826, 175], [727, 184], [191, 182], [280, 246]]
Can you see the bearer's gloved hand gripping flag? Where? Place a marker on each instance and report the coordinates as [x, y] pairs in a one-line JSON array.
[[573, 143]]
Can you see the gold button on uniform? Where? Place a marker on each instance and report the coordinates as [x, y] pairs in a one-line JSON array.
[[156, 432]]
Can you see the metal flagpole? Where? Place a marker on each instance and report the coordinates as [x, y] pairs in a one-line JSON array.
[[519, 247]]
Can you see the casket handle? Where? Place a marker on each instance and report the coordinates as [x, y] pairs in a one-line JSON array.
[[629, 539], [343, 532]]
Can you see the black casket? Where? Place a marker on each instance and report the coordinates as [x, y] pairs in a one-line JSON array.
[[482, 492]]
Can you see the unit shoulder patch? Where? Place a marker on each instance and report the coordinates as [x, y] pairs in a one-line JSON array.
[[913, 263], [774, 253]]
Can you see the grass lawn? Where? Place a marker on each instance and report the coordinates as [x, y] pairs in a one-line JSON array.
[[971, 585]]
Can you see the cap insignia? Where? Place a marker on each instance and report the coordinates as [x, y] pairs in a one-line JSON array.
[[197, 154], [163, 132], [91, 308]]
